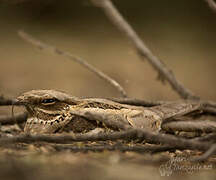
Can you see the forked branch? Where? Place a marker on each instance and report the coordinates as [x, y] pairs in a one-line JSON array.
[[117, 19]]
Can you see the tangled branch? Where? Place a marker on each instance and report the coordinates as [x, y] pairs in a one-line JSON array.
[[131, 134]]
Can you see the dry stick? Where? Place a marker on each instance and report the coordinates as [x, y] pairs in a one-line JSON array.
[[5, 101], [209, 103], [173, 141], [8, 120], [137, 102], [208, 107], [206, 126], [209, 110], [211, 4], [211, 106], [42, 45], [120, 147], [117, 19], [208, 138], [211, 151]]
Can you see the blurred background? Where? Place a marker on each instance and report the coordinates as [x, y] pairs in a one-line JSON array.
[[181, 33]]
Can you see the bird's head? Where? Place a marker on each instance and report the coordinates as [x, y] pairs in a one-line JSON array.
[[46, 109]]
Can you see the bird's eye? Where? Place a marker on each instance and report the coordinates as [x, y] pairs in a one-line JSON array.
[[48, 101]]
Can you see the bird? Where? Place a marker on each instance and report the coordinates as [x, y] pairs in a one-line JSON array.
[[52, 111]]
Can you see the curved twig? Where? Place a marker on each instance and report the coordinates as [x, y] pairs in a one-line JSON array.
[[117, 19], [42, 45]]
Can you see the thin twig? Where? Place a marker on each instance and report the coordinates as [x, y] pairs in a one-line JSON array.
[[41, 45], [211, 4], [117, 19]]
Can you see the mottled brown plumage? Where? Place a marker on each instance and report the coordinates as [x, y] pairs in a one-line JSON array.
[[51, 111]]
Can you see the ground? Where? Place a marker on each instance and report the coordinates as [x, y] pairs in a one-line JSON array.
[[54, 161]]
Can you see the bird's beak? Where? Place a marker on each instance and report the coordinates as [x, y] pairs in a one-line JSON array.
[[15, 102]]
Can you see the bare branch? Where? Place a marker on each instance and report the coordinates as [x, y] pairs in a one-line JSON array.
[[209, 104], [211, 4], [131, 134], [117, 146], [117, 19], [137, 102], [189, 126], [208, 107], [41, 45], [211, 151], [208, 138], [5, 101], [19, 118], [209, 110]]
